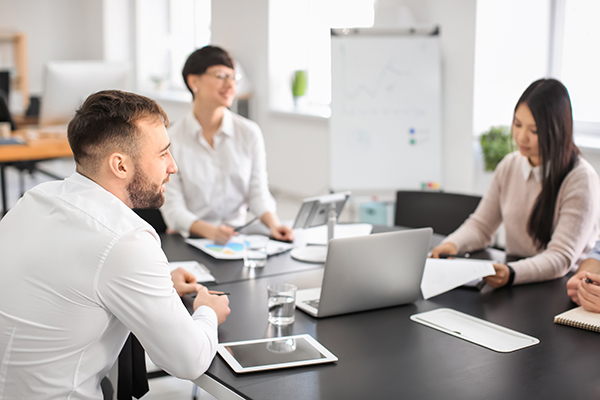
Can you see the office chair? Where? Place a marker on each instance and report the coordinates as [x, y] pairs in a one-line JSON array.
[[444, 212], [5, 115], [154, 218]]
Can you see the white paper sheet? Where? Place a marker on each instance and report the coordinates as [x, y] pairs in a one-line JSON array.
[[442, 275], [200, 271], [318, 234]]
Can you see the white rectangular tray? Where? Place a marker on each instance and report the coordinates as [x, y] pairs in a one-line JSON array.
[[475, 330]]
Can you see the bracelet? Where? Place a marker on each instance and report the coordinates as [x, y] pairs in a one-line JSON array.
[[511, 275]]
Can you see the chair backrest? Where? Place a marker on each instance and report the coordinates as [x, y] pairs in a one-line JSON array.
[[154, 218], [444, 212], [4, 111]]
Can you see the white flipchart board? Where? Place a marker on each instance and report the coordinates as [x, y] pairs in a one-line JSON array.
[[385, 129]]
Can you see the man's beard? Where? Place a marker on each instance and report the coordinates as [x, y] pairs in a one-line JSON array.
[[143, 193]]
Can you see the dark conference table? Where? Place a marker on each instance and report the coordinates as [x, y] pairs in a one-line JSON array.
[[383, 354]]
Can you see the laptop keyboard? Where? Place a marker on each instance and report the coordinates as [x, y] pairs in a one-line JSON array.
[[313, 303]]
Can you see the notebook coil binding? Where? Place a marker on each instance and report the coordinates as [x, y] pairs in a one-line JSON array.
[[577, 324]]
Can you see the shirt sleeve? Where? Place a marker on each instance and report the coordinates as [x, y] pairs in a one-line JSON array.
[[595, 253], [260, 199], [478, 230], [576, 224], [175, 212], [135, 285]]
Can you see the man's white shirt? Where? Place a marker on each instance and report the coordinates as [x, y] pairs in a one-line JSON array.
[[216, 184], [79, 271]]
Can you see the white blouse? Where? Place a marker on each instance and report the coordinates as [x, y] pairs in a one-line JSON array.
[[219, 184]]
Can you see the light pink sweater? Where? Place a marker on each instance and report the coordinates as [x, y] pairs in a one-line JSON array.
[[510, 199]]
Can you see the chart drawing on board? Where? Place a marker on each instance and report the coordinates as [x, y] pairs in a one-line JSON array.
[[385, 123]]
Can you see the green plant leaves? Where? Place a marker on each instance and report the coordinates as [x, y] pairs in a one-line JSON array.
[[496, 143]]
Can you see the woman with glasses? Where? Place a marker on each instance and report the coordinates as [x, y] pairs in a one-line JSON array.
[[221, 158], [546, 194]]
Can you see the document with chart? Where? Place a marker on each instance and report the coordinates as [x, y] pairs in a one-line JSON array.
[[234, 249]]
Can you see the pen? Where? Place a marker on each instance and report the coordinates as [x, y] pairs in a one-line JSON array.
[[459, 255], [239, 228], [218, 293]]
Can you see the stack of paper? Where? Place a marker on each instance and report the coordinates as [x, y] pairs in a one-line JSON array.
[[201, 273], [318, 234]]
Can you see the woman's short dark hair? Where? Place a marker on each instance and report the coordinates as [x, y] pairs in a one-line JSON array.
[[549, 103], [107, 122], [204, 58]]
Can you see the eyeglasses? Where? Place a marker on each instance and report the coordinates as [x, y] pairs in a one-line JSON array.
[[224, 75]]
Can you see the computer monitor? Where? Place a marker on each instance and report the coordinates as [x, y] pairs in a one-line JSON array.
[[5, 83], [68, 83], [317, 211]]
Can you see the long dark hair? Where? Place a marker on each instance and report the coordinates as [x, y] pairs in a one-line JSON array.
[[549, 103]]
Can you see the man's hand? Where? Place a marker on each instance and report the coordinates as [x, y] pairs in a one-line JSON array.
[[184, 281], [283, 233], [218, 303], [444, 248], [501, 277]]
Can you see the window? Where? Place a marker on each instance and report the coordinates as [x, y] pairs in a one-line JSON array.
[[518, 42], [512, 40], [299, 39], [577, 59], [167, 31]]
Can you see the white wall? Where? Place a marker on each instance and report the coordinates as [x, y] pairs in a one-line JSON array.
[[56, 30], [457, 24], [297, 147], [511, 52]]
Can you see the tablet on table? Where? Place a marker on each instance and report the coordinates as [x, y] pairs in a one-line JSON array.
[[273, 353]]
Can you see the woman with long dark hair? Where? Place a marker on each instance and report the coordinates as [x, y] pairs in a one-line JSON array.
[[546, 194]]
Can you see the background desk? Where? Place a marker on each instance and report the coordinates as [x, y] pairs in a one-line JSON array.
[[45, 147], [383, 354]]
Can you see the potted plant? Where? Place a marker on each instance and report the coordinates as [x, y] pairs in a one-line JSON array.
[[496, 143], [299, 84]]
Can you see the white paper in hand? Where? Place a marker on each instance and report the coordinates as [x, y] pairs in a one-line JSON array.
[[201, 273], [442, 275]]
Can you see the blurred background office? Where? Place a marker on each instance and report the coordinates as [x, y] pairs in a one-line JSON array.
[[490, 50]]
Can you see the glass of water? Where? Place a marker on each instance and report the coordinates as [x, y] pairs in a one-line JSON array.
[[282, 303], [255, 251]]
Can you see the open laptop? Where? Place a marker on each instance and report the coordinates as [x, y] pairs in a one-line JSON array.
[[368, 272]]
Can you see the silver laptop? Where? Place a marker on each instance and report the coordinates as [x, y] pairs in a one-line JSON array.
[[368, 272]]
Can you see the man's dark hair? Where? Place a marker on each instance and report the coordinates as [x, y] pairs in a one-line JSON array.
[[204, 58], [107, 122]]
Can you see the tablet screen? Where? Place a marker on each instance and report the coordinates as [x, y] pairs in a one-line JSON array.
[[276, 351]]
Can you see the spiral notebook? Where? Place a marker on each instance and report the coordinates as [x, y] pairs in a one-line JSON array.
[[579, 318]]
